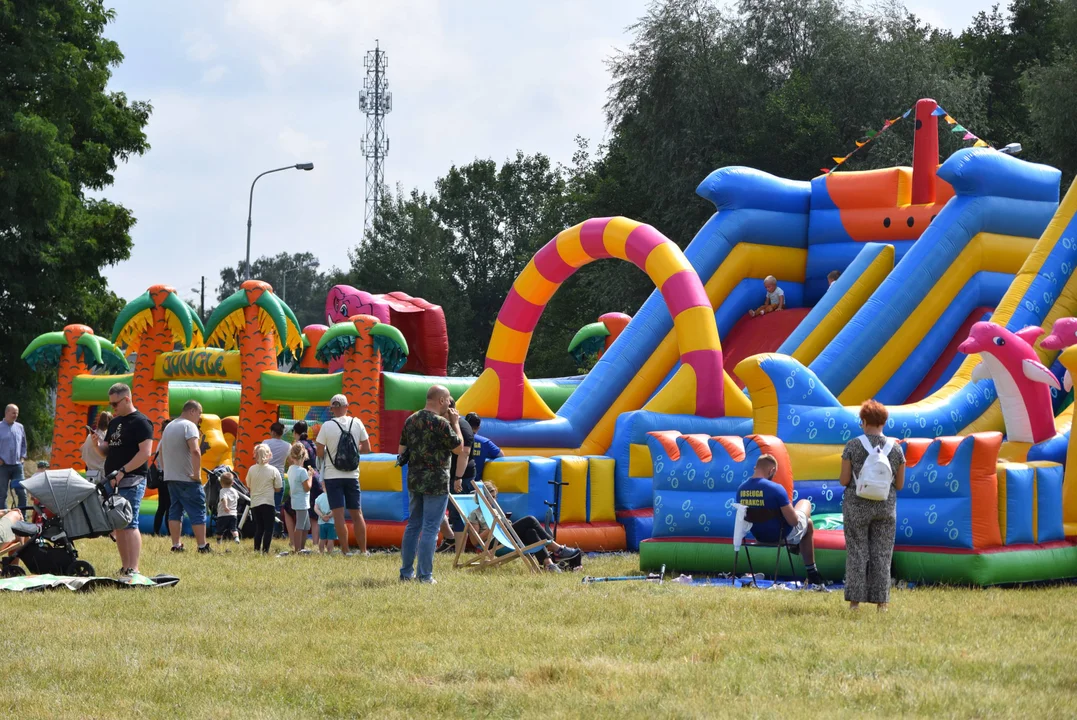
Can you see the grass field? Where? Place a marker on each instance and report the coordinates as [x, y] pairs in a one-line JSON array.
[[244, 636]]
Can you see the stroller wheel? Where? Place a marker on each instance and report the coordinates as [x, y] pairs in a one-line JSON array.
[[12, 571], [80, 568]]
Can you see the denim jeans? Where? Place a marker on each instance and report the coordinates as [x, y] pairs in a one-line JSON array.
[[11, 476], [425, 513]]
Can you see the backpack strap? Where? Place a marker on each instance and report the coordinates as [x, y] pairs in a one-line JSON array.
[[866, 443], [888, 446]]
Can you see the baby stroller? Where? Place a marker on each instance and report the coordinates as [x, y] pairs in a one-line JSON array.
[[213, 495], [78, 511]]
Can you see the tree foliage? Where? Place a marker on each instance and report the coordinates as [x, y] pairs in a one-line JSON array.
[[61, 136], [295, 278], [463, 245]]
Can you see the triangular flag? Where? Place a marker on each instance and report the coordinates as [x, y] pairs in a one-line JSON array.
[[897, 119], [958, 129], [871, 133], [980, 143], [887, 124], [825, 170], [949, 120], [862, 144], [970, 136], [839, 160], [938, 112], [906, 113]]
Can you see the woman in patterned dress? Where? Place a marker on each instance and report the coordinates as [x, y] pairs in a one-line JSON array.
[[869, 524]]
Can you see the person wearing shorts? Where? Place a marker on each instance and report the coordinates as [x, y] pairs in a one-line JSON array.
[[181, 463], [327, 529], [299, 484], [342, 486], [128, 446], [760, 491], [227, 509]]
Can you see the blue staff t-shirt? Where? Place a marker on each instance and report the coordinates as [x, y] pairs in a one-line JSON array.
[[483, 449], [762, 493]]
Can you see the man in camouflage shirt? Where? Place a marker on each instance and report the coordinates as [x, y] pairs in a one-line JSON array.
[[426, 437]]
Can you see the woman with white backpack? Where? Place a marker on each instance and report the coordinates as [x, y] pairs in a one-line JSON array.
[[872, 471]]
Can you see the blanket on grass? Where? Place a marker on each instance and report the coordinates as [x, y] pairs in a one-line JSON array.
[[32, 583]]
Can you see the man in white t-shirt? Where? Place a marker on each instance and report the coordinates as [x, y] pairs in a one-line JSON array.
[[181, 464], [342, 486]]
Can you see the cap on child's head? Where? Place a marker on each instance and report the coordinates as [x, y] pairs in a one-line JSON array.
[[339, 400]]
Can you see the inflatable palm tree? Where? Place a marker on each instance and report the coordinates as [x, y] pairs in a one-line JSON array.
[[152, 324], [72, 350], [257, 323], [366, 345]]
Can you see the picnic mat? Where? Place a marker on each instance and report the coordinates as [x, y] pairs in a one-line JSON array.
[[33, 583], [760, 582]]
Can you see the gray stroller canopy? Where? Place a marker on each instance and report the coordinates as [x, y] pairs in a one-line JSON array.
[[60, 491]]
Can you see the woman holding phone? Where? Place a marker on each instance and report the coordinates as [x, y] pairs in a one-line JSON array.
[[91, 453]]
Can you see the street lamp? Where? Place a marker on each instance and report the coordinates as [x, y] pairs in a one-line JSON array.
[[250, 204], [284, 286]]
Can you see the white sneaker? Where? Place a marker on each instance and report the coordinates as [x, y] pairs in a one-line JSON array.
[[304, 551], [352, 553], [283, 553]]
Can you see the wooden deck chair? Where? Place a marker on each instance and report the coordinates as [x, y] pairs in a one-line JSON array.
[[465, 505], [505, 544]]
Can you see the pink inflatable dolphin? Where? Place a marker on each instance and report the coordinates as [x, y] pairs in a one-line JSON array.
[[1063, 335], [1022, 382]]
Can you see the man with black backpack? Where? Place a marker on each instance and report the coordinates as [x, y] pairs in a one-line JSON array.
[[340, 441]]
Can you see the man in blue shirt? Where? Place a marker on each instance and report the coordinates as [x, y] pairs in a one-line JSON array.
[[760, 491], [482, 448], [12, 454]]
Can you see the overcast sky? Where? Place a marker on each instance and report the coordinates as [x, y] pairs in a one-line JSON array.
[[242, 86]]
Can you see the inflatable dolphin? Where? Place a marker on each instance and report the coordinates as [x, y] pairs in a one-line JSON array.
[[1022, 382], [1063, 335]]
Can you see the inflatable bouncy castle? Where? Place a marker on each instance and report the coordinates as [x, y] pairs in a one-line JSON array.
[[955, 307]]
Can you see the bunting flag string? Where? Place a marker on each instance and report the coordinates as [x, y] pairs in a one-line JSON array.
[[871, 135]]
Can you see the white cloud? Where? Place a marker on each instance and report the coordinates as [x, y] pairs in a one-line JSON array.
[[298, 144], [214, 74], [200, 46]]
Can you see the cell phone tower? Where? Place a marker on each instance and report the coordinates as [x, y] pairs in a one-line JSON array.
[[376, 102]]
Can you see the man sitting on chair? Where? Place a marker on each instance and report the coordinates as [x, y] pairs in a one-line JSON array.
[[760, 491]]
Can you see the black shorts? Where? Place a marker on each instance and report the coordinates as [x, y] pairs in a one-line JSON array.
[[226, 524]]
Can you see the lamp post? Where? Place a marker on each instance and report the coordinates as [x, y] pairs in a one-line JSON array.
[[284, 275], [250, 204]]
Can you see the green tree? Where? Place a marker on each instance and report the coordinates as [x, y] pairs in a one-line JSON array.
[[295, 279], [61, 136], [463, 245]]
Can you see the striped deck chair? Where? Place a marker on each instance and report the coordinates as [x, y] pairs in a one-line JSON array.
[[504, 537], [465, 505]]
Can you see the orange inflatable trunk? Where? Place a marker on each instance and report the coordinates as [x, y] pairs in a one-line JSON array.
[[362, 375], [151, 396], [257, 354], [69, 430]]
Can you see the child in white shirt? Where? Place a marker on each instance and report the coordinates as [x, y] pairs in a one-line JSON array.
[[299, 482], [227, 507], [775, 299], [327, 529]]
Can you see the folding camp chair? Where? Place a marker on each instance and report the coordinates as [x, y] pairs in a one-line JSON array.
[[504, 536], [746, 517], [465, 505]]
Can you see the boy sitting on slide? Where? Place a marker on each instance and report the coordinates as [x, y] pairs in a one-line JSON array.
[[775, 299]]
